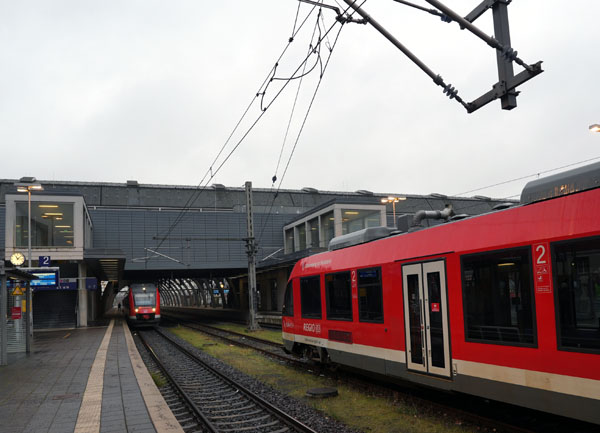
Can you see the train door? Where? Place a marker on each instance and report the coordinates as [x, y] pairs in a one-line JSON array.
[[426, 318]]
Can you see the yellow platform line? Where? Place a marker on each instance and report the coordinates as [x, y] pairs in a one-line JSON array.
[[163, 419], [88, 419]]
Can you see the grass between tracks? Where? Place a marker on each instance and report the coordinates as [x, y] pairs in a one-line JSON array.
[[351, 407], [273, 335]]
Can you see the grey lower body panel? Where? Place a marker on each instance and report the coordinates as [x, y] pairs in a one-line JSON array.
[[585, 409]]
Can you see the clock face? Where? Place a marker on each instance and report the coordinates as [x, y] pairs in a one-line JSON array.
[[17, 259]]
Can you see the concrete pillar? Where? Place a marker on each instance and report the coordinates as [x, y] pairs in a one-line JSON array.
[[82, 298], [3, 330]]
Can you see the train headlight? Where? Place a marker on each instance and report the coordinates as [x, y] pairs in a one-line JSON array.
[[137, 309], [153, 309]]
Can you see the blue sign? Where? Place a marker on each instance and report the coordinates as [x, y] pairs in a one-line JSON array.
[[91, 283], [68, 284], [44, 261]]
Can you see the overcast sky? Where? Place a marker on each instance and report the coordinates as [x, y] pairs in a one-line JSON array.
[[150, 90]]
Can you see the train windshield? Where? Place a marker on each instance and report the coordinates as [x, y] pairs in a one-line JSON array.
[[143, 299]]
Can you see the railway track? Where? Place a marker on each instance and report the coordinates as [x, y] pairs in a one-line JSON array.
[[430, 401], [218, 403]]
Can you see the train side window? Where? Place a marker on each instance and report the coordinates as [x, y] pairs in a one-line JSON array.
[[370, 295], [288, 301], [498, 297], [310, 297], [576, 267], [338, 295]]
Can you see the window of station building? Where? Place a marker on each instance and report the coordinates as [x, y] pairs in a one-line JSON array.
[[327, 229], [301, 237], [338, 294], [51, 224], [289, 241], [310, 297], [576, 266], [313, 229], [354, 220], [370, 295], [498, 297], [288, 301]]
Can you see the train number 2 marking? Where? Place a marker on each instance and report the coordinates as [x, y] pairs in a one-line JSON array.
[[541, 251]]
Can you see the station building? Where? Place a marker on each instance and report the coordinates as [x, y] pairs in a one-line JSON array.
[[90, 239]]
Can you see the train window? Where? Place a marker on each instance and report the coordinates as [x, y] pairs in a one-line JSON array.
[[577, 290], [310, 297], [370, 296], [288, 301], [338, 295], [498, 297]]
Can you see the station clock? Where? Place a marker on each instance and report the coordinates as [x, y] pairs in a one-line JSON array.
[[17, 259]]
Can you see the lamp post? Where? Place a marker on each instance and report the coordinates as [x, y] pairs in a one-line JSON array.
[[28, 184], [393, 201], [595, 127]]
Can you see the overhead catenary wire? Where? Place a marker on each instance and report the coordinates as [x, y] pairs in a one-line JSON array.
[[213, 172], [209, 172], [527, 176], [269, 213]]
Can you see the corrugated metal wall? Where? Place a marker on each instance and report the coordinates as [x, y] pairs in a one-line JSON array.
[[198, 240]]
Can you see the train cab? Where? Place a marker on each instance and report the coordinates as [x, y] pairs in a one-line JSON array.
[[142, 304]]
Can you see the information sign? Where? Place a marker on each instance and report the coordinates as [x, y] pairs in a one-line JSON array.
[[15, 313], [44, 261]]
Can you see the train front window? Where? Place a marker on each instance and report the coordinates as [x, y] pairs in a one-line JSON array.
[[310, 297], [576, 270], [339, 296], [498, 297], [143, 299]]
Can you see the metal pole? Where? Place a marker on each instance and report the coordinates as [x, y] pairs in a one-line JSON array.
[[29, 227], [28, 318], [3, 302], [251, 251]]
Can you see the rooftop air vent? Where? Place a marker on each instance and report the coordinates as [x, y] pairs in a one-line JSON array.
[[360, 237], [310, 190], [482, 197], [364, 192], [218, 186], [133, 183], [568, 182], [437, 195], [460, 216]]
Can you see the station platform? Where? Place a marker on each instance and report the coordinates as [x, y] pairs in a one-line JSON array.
[[83, 380]]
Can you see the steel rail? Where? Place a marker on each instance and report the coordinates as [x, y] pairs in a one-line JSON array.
[[188, 400], [274, 410]]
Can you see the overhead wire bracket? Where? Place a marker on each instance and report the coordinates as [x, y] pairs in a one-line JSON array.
[[341, 17], [506, 55]]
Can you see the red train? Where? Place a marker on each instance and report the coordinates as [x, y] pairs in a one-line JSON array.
[[142, 305], [504, 305]]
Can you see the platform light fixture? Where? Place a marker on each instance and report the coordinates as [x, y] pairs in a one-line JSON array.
[[595, 127], [393, 201], [28, 184]]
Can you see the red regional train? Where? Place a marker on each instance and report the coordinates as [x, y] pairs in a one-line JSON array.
[[504, 305], [142, 305]]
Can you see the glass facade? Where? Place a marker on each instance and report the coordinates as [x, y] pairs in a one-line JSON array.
[[317, 230], [51, 224], [355, 219], [327, 229]]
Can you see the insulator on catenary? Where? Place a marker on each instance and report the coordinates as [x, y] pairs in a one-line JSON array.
[[509, 53], [450, 91]]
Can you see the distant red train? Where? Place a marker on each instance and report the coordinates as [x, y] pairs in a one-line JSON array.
[[142, 305], [504, 305]]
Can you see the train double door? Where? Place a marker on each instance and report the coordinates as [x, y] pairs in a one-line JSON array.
[[426, 317]]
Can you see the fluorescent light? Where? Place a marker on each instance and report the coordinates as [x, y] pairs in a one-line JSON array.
[[53, 213], [351, 212], [63, 227], [48, 205]]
